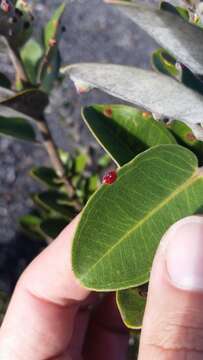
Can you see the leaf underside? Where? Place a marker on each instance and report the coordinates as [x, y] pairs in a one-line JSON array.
[[181, 38], [122, 224], [155, 92]]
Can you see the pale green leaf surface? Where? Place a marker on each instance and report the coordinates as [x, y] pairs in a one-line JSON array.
[[122, 224], [179, 37], [31, 54], [124, 131], [131, 304], [155, 92]]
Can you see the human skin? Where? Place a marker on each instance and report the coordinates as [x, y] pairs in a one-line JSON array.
[[51, 316]]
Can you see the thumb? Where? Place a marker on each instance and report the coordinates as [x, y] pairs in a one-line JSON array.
[[173, 321]]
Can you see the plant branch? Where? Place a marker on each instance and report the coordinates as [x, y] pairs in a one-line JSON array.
[[15, 58], [52, 151]]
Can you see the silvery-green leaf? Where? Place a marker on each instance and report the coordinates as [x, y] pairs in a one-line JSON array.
[[155, 92], [177, 36], [5, 94]]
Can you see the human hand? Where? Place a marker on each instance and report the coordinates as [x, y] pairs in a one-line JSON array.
[[50, 315]]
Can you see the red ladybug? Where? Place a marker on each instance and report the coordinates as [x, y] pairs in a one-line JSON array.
[[109, 178]]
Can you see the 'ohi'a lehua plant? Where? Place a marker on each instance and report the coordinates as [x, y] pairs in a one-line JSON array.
[[159, 179]]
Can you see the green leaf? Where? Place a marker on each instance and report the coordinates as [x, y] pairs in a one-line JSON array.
[[180, 38], [185, 137], [176, 10], [17, 127], [51, 30], [30, 102], [50, 71], [155, 92], [52, 226], [55, 202], [50, 66], [30, 224], [166, 64], [47, 176], [124, 131], [104, 161], [31, 53], [92, 183], [80, 163], [122, 224], [131, 304]]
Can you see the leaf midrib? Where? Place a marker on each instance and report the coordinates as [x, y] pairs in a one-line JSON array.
[[184, 186]]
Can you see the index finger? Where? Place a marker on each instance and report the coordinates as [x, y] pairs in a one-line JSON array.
[[40, 318]]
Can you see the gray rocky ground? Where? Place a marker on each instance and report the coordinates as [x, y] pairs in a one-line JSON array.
[[95, 32]]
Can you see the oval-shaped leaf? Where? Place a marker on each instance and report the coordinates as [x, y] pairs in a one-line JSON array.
[[186, 137], [56, 202], [177, 36], [166, 64], [31, 53], [51, 30], [155, 92], [124, 131], [46, 175], [17, 127], [122, 224], [131, 304], [30, 102], [30, 224], [51, 70]]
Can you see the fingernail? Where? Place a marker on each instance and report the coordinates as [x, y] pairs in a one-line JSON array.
[[184, 253]]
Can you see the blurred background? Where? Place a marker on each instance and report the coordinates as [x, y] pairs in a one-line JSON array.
[[95, 32]]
